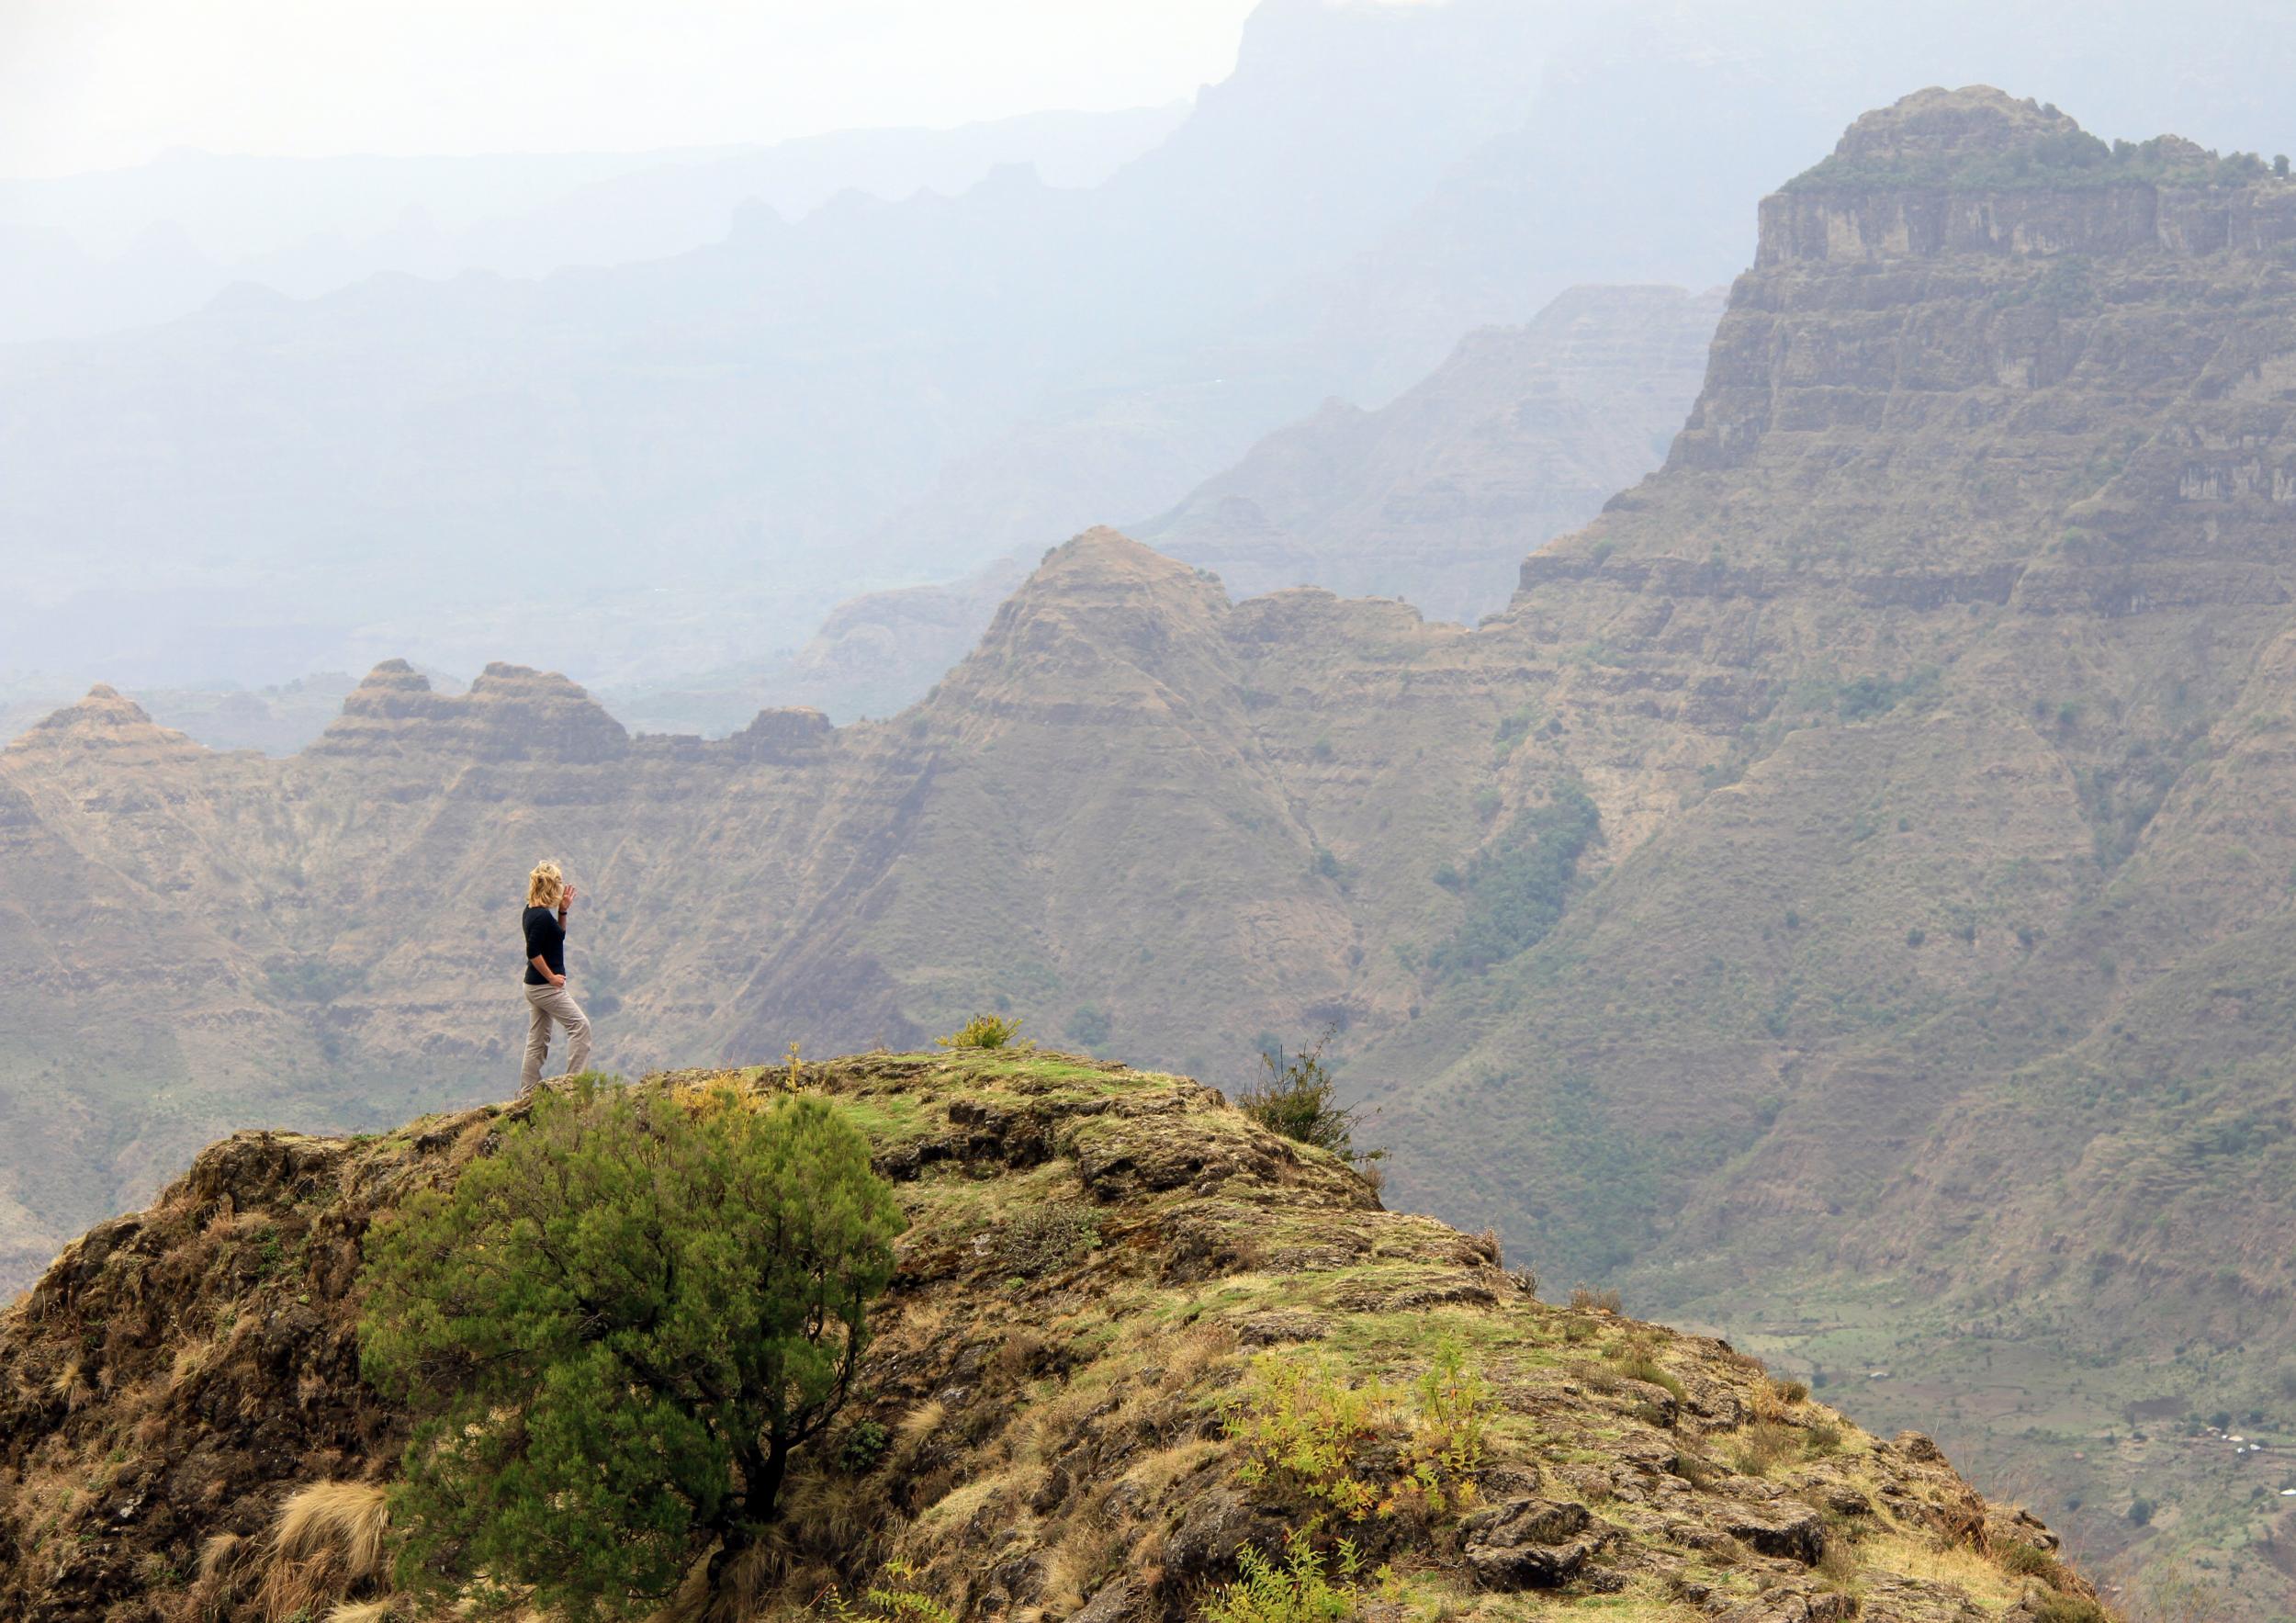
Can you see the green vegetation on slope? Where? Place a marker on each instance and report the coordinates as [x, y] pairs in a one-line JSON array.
[[1517, 889]]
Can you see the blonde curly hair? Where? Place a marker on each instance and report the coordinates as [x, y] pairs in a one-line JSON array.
[[545, 886]]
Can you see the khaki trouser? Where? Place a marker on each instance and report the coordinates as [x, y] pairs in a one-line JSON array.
[[547, 1004]]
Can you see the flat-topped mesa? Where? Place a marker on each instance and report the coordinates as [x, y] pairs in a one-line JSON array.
[[109, 723], [1976, 170], [511, 713]]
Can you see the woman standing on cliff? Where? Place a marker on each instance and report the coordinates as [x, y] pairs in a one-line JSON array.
[[548, 897]]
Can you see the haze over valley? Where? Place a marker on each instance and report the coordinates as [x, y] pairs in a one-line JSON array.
[[642, 457]]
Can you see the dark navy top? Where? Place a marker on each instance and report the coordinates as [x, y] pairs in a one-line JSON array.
[[545, 940]]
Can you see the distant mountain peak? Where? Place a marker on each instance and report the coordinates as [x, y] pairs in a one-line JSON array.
[[106, 720], [1104, 571], [1103, 616], [1975, 170]]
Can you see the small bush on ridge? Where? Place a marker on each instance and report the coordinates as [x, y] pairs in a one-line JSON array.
[[1301, 1427], [1446, 1449], [1297, 1098], [983, 1031]]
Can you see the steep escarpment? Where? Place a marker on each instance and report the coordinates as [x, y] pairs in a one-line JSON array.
[[1973, 542], [1108, 1278], [1950, 631], [1937, 484]]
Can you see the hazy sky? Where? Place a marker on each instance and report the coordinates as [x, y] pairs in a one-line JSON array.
[[96, 83]]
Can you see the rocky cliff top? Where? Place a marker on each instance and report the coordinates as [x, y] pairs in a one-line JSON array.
[[1944, 129], [1980, 138], [1106, 1273], [1946, 172]]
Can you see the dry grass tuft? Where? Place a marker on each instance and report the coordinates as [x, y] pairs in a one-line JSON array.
[[225, 1565], [746, 1590], [1839, 1565], [361, 1611], [1155, 1474], [1022, 1351], [69, 1384], [1767, 1445], [923, 1321], [917, 1428], [1044, 1428], [830, 1512], [326, 1541], [191, 1358], [345, 1520], [1596, 1378], [1934, 1560], [1072, 1567], [217, 1556], [1196, 1352], [1586, 1299]]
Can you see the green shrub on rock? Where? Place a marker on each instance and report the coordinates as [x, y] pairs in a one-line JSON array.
[[613, 1334]]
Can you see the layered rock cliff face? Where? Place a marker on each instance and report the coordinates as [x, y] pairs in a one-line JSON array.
[[1107, 1278], [1845, 892]]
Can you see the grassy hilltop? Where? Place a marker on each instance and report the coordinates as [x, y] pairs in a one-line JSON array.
[[1120, 1307]]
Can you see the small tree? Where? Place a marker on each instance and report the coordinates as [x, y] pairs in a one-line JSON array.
[[613, 1332], [1297, 1097]]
